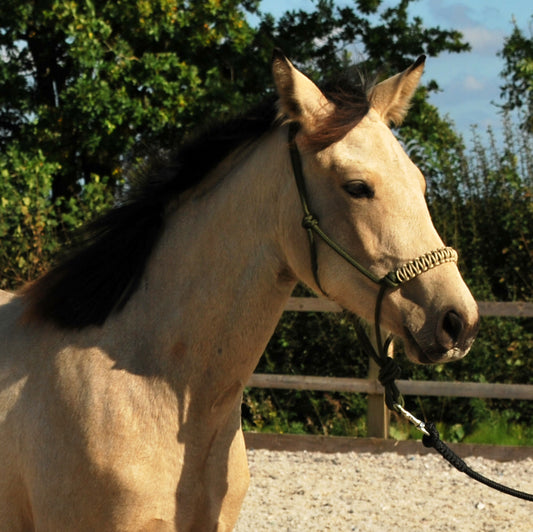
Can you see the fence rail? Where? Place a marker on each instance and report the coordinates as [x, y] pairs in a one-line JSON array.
[[378, 415], [483, 390], [514, 309]]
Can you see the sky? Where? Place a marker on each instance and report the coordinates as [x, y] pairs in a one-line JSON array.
[[469, 81]]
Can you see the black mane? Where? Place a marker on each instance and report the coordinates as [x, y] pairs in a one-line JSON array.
[[99, 275], [103, 270]]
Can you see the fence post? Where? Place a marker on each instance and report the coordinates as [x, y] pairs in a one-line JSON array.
[[378, 415]]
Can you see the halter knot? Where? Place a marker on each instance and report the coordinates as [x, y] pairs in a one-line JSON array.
[[390, 371], [309, 222]]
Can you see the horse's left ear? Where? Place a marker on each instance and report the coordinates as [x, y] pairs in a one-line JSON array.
[[391, 97], [300, 99]]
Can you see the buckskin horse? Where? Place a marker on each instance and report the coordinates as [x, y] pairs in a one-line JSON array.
[[122, 368]]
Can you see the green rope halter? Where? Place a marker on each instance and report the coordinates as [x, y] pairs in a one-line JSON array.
[[389, 368]]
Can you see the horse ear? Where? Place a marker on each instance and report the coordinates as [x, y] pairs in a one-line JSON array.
[[391, 97], [299, 98]]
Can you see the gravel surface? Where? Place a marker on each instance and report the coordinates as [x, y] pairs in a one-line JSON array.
[[309, 491]]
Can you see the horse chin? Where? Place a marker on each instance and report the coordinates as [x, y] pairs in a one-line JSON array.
[[414, 352], [430, 355], [417, 354]]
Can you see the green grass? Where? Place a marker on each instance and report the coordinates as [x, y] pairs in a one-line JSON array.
[[500, 432], [496, 429]]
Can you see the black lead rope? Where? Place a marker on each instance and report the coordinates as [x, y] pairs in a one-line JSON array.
[[433, 440], [389, 369]]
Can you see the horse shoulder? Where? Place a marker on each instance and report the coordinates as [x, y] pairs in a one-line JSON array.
[[116, 430]]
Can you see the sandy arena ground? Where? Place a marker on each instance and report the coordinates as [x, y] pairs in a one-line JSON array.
[[364, 492]]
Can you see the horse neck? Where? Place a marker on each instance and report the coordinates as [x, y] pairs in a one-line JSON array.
[[217, 284]]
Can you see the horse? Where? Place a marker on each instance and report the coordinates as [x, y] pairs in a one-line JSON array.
[[122, 368]]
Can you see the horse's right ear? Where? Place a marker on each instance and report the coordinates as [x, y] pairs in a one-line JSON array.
[[391, 97], [300, 99]]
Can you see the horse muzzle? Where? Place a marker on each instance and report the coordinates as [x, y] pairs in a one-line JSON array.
[[446, 340]]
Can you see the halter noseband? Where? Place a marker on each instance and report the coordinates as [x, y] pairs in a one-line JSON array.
[[393, 279]]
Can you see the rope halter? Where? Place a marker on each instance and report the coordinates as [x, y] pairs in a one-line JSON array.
[[404, 273]]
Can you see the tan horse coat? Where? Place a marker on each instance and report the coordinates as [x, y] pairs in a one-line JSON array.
[[135, 425]]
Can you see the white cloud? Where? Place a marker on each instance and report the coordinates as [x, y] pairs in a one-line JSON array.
[[483, 40], [458, 14], [473, 84]]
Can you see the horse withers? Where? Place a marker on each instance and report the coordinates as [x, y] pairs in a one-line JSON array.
[[122, 368]]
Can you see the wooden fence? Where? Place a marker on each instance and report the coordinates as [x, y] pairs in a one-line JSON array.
[[378, 415]]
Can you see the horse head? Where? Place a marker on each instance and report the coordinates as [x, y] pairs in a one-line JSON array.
[[367, 197]]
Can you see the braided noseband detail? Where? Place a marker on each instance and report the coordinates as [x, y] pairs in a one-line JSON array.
[[422, 264]]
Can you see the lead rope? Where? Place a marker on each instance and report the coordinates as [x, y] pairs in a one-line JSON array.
[[389, 368], [389, 371]]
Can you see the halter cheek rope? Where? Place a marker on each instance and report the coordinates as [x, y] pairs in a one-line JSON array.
[[389, 369]]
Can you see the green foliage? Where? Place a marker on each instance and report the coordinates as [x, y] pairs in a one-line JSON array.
[[309, 344], [387, 39], [87, 80], [501, 428], [90, 83], [494, 428], [31, 216], [288, 411], [517, 73], [27, 214]]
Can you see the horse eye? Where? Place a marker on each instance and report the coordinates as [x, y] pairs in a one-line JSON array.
[[359, 189]]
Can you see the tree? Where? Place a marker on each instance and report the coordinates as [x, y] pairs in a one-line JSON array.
[[517, 73], [331, 39], [83, 87], [87, 80]]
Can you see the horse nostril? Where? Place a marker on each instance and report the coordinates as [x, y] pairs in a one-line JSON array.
[[451, 328]]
